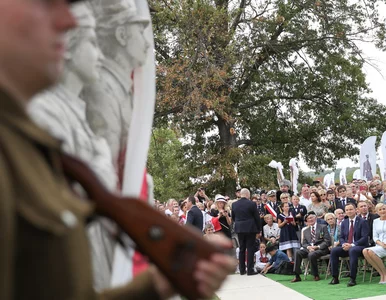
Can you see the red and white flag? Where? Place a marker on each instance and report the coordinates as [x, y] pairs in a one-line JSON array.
[[270, 210]]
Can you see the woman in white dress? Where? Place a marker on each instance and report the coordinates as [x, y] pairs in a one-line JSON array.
[[375, 254]]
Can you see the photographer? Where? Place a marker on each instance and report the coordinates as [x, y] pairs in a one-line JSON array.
[[200, 194]]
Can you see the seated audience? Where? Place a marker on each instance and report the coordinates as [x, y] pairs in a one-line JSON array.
[[375, 254], [333, 229], [315, 243], [353, 239], [271, 231], [339, 214]]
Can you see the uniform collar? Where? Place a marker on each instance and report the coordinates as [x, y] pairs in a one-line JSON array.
[[13, 113], [114, 68]]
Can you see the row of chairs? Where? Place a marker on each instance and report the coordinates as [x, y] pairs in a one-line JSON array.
[[362, 266]]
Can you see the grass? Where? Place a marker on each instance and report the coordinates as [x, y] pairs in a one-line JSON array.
[[321, 290]]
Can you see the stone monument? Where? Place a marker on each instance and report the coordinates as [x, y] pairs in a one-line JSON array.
[[63, 113], [120, 32]]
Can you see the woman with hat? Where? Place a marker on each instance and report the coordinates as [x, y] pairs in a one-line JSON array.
[[222, 213]]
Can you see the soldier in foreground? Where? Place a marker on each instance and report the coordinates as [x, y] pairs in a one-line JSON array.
[[45, 251]]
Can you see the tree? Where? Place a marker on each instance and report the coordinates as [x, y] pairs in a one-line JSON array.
[[248, 81], [166, 165]]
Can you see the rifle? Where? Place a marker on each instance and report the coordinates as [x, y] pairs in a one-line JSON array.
[[172, 248]]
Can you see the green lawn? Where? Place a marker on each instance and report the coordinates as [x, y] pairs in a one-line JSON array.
[[321, 290]]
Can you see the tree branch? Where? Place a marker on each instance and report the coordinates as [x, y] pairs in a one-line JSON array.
[[237, 19]]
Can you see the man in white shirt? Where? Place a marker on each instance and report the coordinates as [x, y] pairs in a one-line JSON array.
[[305, 198]]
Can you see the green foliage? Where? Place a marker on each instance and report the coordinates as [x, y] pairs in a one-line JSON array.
[[249, 81], [166, 165]]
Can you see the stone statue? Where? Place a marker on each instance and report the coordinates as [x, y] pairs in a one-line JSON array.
[[109, 100], [63, 113]]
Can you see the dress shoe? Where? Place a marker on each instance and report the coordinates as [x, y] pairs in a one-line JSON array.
[[334, 281], [296, 279], [316, 278], [252, 273], [243, 273], [352, 282]]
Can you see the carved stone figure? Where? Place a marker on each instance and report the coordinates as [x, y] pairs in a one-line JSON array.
[[63, 114], [109, 100]]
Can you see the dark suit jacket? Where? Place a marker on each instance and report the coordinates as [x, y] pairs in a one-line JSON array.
[[303, 211], [339, 204], [322, 237], [361, 232], [195, 217], [246, 216], [370, 221]]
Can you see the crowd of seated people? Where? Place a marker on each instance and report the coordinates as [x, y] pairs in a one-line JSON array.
[[339, 221]]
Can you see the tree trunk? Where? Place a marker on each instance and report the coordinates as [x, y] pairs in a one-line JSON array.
[[228, 143]]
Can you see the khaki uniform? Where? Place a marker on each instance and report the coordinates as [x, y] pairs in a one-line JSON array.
[[44, 252]]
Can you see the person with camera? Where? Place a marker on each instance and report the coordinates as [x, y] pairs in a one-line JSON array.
[[201, 195]]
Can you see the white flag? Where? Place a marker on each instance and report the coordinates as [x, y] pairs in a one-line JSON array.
[[357, 174], [294, 175], [326, 180], [342, 176], [332, 178], [383, 151], [368, 157], [279, 167], [381, 164]]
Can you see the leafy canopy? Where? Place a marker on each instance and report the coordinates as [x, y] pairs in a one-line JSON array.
[[248, 81]]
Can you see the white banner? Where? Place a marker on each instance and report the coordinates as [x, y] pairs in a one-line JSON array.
[[294, 175], [383, 151], [279, 167], [381, 165], [357, 174], [326, 180], [332, 178], [368, 157], [342, 176]]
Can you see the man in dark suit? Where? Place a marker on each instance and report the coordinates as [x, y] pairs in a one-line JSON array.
[[343, 200], [316, 241], [353, 239], [363, 212], [299, 212], [195, 216], [247, 225]]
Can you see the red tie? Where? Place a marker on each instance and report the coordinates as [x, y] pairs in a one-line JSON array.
[[351, 232]]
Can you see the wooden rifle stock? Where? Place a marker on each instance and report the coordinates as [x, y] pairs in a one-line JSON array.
[[174, 249]]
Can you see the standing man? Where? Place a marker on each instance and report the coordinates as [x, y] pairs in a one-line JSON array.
[[285, 185], [195, 216], [305, 197], [45, 254], [353, 239], [247, 225], [316, 241]]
